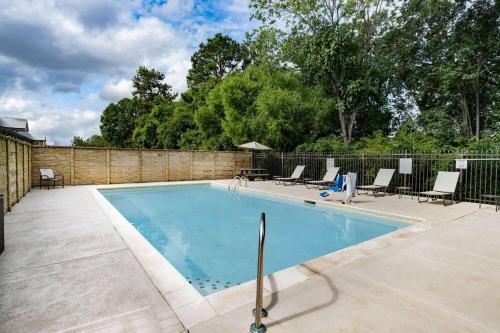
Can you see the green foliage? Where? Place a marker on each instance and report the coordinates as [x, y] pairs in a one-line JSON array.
[[332, 42], [324, 145], [154, 103], [445, 53], [416, 75], [150, 88], [265, 104], [216, 58], [93, 141], [174, 125], [118, 122]]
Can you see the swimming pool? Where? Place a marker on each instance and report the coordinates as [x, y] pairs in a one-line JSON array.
[[210, 235]]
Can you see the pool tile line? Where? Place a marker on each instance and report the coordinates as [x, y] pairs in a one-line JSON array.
[[193, 308]]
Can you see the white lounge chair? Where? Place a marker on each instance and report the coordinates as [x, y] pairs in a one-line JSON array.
[[382, 181], [50, 177], [328, 179], [297, 173], [445, 185]]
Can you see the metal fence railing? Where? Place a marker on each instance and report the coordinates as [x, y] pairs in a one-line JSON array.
[[482, 175]]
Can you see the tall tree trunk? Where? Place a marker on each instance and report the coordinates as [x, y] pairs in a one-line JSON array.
[[467, 126], [343, 127], [343, 122], [347, 128], [352, 120]]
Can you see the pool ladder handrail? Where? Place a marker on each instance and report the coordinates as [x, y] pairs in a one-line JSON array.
[[236, 182], [259, 312]]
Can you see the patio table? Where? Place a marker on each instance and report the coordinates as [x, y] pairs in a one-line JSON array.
[[252, 173], [404, 190]]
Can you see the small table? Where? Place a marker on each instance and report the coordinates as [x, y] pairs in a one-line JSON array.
[[404, 190], [251, 173], [490, 197], [305, 180]]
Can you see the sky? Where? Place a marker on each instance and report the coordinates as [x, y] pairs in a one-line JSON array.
[[63, 61]]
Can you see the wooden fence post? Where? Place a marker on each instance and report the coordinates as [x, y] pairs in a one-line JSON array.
[[166, 165], [234, 164], [140, 165], [24, 170], [17, 171], [108, 166], [72, 166], [7, 196], [213, 165], [30, 176], [192, 163]]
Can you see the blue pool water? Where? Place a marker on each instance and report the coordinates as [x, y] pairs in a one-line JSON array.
[[210, 235]]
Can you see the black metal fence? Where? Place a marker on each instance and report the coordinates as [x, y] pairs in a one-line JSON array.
[[482, 175]]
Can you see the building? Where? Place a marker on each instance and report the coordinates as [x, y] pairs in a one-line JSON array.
[[18, 128]]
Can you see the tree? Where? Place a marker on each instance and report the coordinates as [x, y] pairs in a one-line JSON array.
[[265, 104], [146, 133], [215, 59], [264, 47], [154, 98], [149, 87], [118, 122], [444, 58], [332, 42], [175, 125], [93, 141]]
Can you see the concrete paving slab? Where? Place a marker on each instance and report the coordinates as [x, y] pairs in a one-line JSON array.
[[82, 293], [443, 279], [66, 269]]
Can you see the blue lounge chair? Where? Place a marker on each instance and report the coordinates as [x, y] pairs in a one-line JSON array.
[[339, 185]]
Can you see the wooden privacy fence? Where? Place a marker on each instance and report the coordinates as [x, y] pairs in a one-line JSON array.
[[482, 175], [15, 175], [83, 166]]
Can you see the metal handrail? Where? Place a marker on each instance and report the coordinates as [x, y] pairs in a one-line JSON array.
[[259, 312], [236, 178], [239, 183]]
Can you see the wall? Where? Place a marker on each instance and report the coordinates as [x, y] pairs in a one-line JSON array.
[[15, 166], [82, 166]]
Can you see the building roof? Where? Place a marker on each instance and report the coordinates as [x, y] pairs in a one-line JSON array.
[[25, 136], [14, 124]]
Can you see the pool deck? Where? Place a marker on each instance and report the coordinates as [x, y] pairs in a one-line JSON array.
[[66, 269]]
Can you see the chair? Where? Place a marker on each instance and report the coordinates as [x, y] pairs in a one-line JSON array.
[[297, 173], [50, 177], [444, 186], [382, 181], [338, 187], [328, 179]]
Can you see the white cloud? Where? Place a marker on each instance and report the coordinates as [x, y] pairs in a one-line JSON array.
[[174, 8], [13, 105], [239, 6], [61, 59], [115, 91], [56, 123]]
